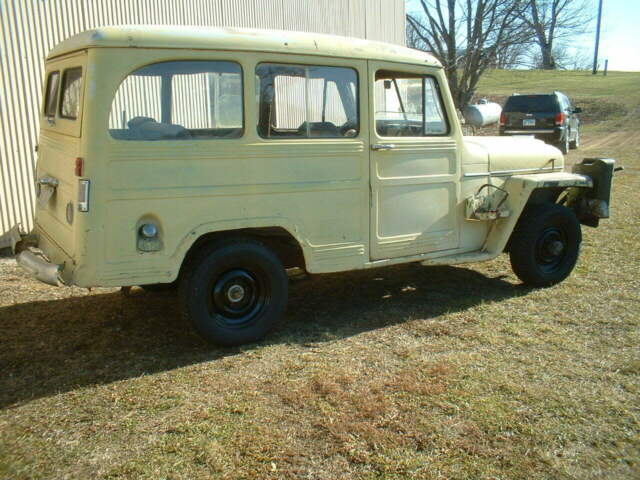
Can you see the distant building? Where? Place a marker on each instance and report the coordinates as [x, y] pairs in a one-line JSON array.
[[30, 28]]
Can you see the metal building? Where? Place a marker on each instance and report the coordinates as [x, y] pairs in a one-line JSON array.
[[30, 28]]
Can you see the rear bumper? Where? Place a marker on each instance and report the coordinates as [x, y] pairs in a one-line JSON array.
[[549, 135], [40, 268]]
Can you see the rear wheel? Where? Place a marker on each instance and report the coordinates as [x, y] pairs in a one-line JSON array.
[[575, 143], [563, 145], [234, 291], [545, 245]]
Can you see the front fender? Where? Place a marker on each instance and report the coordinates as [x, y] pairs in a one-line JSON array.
[[520, 188]]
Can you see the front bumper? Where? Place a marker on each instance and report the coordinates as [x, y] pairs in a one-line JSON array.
[[40, 268]]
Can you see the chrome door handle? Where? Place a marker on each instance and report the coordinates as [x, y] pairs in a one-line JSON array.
[[382, 146]]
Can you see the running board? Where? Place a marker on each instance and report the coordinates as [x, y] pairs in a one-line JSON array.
[[470, 257]]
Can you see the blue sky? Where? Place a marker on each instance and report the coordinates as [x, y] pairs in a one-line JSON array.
[[619, 36]]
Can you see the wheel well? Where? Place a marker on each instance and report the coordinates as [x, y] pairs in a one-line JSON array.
[[277, 239], [545, 195], [537, 197]]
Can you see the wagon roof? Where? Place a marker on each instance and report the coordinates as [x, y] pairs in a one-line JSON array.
[[205, 38]]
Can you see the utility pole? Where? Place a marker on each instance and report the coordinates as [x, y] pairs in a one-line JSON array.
[[595, 54]]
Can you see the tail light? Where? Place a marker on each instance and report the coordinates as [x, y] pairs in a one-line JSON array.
[[559, 118], [83, 195], [79, 170], [503, 119]]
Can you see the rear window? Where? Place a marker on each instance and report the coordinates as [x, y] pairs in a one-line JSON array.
[[71, 92], [51, 94], [531, 104]]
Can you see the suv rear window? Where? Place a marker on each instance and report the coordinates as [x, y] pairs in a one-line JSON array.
[[531, 104], [71, 88]]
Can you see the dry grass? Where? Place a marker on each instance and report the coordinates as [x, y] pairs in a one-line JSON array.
[[405, 372]]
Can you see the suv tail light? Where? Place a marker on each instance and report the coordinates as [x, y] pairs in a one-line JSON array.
[[559, 118], [503, 119]]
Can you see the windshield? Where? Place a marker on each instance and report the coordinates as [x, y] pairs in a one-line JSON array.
[[531, 104]]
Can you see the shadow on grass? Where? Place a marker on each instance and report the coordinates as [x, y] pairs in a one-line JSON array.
[[56, 346]]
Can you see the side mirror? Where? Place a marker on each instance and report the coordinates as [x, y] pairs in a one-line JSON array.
[[577, 110]]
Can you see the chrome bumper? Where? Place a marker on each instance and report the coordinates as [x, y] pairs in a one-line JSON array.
[[40, 268]]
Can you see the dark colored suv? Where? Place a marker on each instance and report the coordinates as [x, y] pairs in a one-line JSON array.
[[549, 117]]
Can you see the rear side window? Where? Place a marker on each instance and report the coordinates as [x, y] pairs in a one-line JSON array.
[[532, 104], [179, 100], [305, 101], [51, 94], [71, 93]]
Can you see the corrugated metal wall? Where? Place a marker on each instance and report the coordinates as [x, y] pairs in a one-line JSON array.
[[30, 28]]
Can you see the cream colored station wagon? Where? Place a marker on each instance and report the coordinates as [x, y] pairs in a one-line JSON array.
[[215, 159]]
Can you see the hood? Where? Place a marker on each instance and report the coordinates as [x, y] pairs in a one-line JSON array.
[[516, 153]]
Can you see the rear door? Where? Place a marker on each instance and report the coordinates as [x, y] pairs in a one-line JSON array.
[[58, 148], [530, 112], [413, 163]]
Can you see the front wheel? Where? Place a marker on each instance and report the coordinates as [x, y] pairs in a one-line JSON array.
[[234, 291], [545, 244]]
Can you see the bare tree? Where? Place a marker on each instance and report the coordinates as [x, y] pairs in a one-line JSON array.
[[551, 21], [467, 36], [564, 59], [513, 55]]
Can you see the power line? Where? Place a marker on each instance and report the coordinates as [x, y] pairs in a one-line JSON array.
[[595, 53]]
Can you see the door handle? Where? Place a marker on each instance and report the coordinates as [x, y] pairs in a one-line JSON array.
[[382, 146]]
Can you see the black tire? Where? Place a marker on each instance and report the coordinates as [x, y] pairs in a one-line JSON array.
[[234, 291], [575, 143], [545, 245], [563, 144]]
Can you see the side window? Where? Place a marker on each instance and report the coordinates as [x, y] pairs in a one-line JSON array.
[[51, 94], [564, 103], [408, 105], [71, 93], [301, 101], [179, 100]]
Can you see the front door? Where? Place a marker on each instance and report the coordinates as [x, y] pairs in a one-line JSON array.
[[413, 163]]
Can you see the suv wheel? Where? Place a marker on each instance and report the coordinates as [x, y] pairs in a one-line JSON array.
[[545, 245], [575, 143], [563, 145], [233, 292]]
